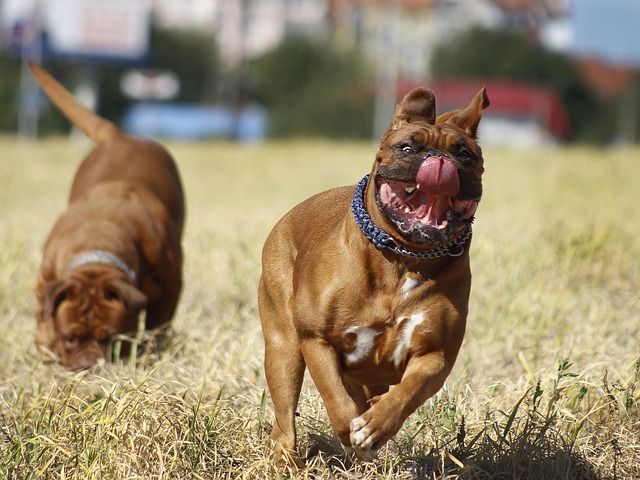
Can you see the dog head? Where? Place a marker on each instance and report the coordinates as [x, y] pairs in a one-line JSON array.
[[428, 171], [79, 314]]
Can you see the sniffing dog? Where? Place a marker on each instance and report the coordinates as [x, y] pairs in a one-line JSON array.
[[116, 248]]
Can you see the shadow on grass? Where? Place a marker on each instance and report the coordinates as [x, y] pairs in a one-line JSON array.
[[535, 439], [527, 456]]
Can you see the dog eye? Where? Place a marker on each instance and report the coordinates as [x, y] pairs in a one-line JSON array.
[[111, 295], [464, 154], [406, 148], [71, 342]]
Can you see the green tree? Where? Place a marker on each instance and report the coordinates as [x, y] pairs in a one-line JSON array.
[[9, 82], [190, 54], [499, 54], [313, 89]]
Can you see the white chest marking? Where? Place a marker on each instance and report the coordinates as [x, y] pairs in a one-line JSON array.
[[364, 344], [404, 343], [408, 285]]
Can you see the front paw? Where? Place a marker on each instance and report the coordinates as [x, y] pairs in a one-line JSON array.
[[363, 438], [285, 460], [364, 455]]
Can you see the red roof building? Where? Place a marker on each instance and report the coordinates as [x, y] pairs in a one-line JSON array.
[[510, 101]]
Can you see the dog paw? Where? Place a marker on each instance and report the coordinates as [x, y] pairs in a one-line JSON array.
[[287, 462], [362, 439], [285, 459], [364, 455]]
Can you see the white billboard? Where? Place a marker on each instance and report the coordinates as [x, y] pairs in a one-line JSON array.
[[86, 28]]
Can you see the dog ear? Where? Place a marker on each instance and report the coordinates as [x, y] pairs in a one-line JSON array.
[[53, 293], [469, 118], [444, 118], [417, 106], [132, 298]]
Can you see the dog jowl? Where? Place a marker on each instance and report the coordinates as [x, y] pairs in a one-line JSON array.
[[368, 286]]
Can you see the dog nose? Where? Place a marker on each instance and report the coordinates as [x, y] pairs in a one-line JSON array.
[[84, 362]]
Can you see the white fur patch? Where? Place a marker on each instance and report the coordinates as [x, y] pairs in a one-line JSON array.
[[362, 439], [360, 435], [408, 285], [364, 344], [401, 350]]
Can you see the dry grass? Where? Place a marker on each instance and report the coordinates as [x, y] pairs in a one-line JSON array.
[[546, 385]]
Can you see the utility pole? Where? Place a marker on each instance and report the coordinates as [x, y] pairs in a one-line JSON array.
[[239, 67], [387, 53], [30, 51], [628, 115]]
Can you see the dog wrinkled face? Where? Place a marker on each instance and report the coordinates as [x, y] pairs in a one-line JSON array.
[[82, 313], [428, 171]]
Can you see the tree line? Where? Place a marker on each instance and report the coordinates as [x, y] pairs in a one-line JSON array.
[[319, 88]]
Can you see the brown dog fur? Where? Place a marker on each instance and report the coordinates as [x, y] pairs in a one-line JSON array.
[[126, 200], [362, 319]]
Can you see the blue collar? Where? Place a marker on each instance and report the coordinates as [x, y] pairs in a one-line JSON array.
[[382, 239]]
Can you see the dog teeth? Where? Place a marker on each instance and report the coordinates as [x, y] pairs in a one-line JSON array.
[[407, 209], [409, 189]]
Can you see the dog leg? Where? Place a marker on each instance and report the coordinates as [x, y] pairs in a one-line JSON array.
[[161, 310], [358, 392], [284, 368], [374, 393], [325, 368], [160, 313], [423, 377], [364, 396]]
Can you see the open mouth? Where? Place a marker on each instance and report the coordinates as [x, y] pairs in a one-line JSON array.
[[427, 209]]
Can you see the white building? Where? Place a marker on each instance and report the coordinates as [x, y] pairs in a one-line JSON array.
[[245, 28]]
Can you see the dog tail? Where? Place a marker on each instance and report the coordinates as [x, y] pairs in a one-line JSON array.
[[92, 125]]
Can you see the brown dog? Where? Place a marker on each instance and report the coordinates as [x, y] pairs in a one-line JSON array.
[[368, 287], [116, 249]]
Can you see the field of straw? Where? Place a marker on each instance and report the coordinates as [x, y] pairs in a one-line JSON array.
[[547, 383]]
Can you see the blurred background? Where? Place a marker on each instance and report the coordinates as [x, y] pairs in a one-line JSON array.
[[557, 71]]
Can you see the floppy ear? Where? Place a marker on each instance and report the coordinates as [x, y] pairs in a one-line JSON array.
[[132, 298], [469, 118], [53, 293], [417, 106]]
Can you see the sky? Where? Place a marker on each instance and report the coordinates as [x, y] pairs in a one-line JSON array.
[[607, 28]]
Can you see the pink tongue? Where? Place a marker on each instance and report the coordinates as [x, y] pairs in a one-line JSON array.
[[438, 182], [438, 177]]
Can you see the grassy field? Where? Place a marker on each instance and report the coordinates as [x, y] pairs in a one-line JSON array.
[[547, 384]]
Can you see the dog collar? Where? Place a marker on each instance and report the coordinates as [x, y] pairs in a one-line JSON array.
[[382, 239], [100, 256]]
